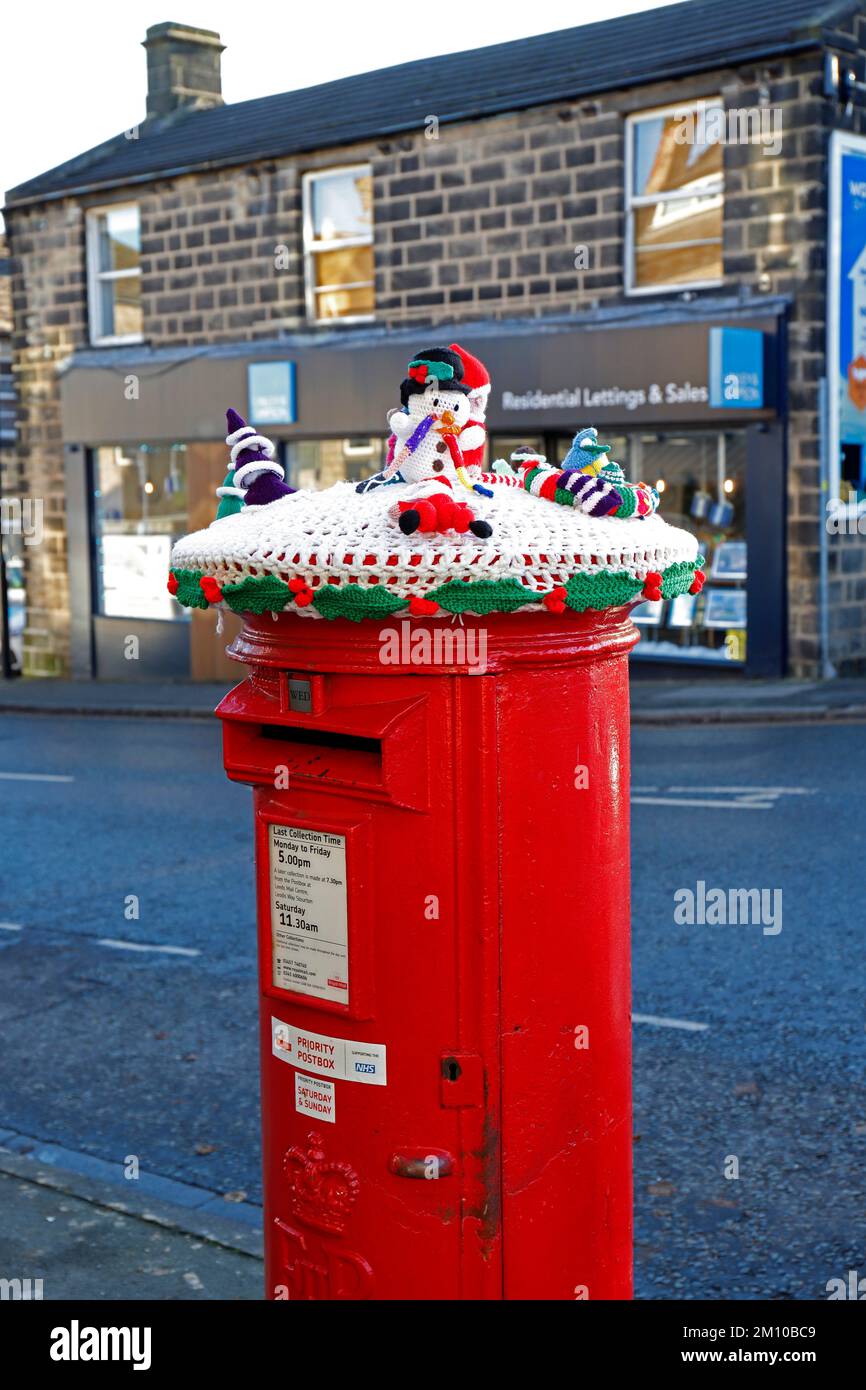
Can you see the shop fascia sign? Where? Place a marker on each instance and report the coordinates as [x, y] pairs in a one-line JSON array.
[[677, 370], [630, 398]]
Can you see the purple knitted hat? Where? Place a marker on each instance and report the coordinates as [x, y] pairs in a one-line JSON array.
[[258, 449]]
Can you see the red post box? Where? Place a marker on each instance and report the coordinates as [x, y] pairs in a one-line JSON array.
[[442, 859]]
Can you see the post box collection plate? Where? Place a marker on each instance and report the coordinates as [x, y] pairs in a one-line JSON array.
[[309, 929]]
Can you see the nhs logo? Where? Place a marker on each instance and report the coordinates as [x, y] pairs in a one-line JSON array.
[[736, 368], [368, 1068]]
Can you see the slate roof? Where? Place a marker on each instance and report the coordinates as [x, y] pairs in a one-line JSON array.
[[654, 45]]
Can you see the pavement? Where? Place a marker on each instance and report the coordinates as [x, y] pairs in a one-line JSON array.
[[711, 699], [87, 1237], [128, 1008]]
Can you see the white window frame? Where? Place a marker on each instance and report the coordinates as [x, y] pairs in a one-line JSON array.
[[312, 247], [95, 277], [638, 200]]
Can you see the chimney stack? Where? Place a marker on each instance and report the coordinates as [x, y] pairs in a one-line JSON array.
[[183, 68]]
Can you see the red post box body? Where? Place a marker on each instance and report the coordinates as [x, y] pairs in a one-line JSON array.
[[442, 854]]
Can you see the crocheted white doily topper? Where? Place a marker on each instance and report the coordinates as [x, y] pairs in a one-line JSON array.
[[434, 530]]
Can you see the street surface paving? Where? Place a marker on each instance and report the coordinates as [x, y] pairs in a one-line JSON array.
[[79, 1249], [748, 1046]]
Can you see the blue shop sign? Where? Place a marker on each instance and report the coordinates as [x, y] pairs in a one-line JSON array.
[[271, 392], [736, 368]]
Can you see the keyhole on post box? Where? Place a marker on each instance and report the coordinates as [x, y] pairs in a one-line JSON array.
[[451, 1069]]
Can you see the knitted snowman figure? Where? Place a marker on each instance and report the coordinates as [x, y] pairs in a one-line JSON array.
[[427, 450], [254, 478]]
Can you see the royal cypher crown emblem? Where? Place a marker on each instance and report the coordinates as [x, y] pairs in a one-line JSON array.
[[322, 1192]]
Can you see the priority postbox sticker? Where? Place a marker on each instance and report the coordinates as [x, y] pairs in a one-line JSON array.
[[314, 1096], [309, 919], [338, 1058]]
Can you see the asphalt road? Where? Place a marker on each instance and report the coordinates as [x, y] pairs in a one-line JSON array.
[[749, 1042]]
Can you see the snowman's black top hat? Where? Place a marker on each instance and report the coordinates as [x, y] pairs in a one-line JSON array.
[[438, 364]]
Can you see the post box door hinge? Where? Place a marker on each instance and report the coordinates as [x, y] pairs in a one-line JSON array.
[[462, 1079]]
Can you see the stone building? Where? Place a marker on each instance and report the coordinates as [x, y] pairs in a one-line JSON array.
[[628, 221], [11, 488]]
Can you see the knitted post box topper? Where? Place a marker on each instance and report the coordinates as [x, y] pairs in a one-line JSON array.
[[427, 452], [254, 478], [419, 541]]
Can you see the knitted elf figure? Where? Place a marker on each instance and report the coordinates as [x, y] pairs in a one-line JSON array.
[[254, 478]]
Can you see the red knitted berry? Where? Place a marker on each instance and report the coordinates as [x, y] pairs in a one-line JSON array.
[[301, 592], [554, 602], [697, 582], [420, 607], [211, 589], [652, 593], [172, 585]]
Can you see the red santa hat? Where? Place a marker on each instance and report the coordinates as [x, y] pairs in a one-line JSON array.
[[475, 374]]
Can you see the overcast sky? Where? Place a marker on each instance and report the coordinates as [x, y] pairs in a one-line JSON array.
[[74, 73]]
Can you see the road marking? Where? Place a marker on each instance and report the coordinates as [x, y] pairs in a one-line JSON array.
[[33, 777], [742, 798], [684, 1023], [702, 801], [748, 791], [140, 946], [10, 926]]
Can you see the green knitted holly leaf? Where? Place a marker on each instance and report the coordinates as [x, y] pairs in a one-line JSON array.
[[189, 592], [483, 596], [352, 602], [605, 590], [678, 579], [257, 595]]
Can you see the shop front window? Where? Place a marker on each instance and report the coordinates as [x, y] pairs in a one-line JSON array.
[[702, 482], [502, 446], [139, 511], [12, 560], [318, 463]]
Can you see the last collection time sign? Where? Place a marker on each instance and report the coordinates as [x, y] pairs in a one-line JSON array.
[[309, 918]]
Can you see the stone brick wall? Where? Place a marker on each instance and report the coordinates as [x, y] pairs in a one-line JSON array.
[[50, 307], [483, 221]]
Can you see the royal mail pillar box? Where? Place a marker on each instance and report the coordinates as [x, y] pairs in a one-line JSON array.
[[442, 861]]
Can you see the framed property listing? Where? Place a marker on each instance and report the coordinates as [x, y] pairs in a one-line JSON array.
[[846, 318]]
